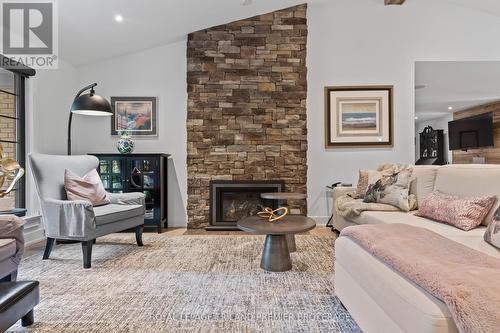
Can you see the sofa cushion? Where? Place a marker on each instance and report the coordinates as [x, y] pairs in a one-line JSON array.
[[422, 183], [472, 238], [7, 248], [465, 213], [113, 213], [470, 180]]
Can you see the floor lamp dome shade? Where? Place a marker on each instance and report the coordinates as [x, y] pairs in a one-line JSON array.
[[91, 105]]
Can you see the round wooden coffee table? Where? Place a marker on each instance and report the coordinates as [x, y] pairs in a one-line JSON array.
[[283, 196], [276, 255]]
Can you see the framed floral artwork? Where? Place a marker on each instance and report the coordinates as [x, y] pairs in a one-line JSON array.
[[359, 116]]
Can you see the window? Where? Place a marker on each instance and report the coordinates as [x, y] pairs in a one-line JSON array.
[[12, 134]]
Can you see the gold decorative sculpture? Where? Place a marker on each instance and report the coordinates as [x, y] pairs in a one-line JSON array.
[[10, 170], [273, 215]]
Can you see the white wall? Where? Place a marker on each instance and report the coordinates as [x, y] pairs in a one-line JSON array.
[[159, 72], [437, 123], [53, 92], [49, 95], [364, 42]]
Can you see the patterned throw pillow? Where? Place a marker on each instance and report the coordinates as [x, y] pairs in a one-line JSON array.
[[463, 213], [492, 234], [392, 190], [367, 178]]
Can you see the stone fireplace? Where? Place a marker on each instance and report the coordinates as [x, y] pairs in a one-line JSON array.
[[232, 200], [246, 119]]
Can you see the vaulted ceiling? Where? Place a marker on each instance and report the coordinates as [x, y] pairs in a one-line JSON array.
[[88, 30], [89, 33]]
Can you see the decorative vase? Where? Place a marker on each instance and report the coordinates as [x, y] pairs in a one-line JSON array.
[[125, 145]]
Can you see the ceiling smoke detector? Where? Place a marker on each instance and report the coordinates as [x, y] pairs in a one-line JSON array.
[[246, 2]]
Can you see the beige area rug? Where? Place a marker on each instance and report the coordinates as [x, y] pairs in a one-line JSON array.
[[186, 284]]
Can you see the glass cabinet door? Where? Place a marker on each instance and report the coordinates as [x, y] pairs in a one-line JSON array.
[[142, 178], [111, 171]]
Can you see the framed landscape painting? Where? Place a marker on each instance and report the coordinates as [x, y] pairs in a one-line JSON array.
[[134, 116], [358, 116]]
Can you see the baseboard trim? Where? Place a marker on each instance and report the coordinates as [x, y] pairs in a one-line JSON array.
[[33, 237], [320, 220], [33, 230]]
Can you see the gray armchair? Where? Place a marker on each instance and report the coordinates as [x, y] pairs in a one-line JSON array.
[[78, 220]]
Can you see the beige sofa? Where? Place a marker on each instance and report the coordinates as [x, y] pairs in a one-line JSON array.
[[379, 298], [11, 246]]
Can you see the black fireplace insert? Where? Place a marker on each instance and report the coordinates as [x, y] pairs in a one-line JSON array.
[[231, 200]]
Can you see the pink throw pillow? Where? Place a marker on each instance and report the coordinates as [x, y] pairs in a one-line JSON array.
[[88, 187], [460, 212]]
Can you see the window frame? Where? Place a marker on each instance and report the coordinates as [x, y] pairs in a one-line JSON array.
[[20, 72]]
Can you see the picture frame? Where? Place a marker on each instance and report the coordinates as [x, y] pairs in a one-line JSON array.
[[135, 116], [359, 116]]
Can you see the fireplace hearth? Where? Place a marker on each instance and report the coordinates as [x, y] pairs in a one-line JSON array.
[[232, 200]]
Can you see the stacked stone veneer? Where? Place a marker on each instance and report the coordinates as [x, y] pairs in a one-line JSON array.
[[246, 120]]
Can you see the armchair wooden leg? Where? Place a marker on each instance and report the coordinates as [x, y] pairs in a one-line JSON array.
[[48, 248], [87, 253], [28, 319], [138, 235]]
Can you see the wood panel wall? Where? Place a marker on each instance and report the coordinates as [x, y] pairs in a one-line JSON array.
[[492, 154]]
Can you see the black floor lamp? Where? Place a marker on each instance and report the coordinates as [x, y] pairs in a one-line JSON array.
[[89, 105]]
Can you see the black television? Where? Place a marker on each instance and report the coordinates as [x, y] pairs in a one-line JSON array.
[[471, 132]]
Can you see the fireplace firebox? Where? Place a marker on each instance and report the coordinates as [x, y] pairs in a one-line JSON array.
[[231, 200]]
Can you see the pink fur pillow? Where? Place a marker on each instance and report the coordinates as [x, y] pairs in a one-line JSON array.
[[460, 212], [88, 187]]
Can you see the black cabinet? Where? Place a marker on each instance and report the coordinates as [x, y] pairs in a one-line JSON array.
[[146, 173], [432, 150]]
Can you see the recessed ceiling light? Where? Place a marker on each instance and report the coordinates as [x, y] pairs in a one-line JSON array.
[[246, 2], [416, 118], [450, 107], [118, 18]]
